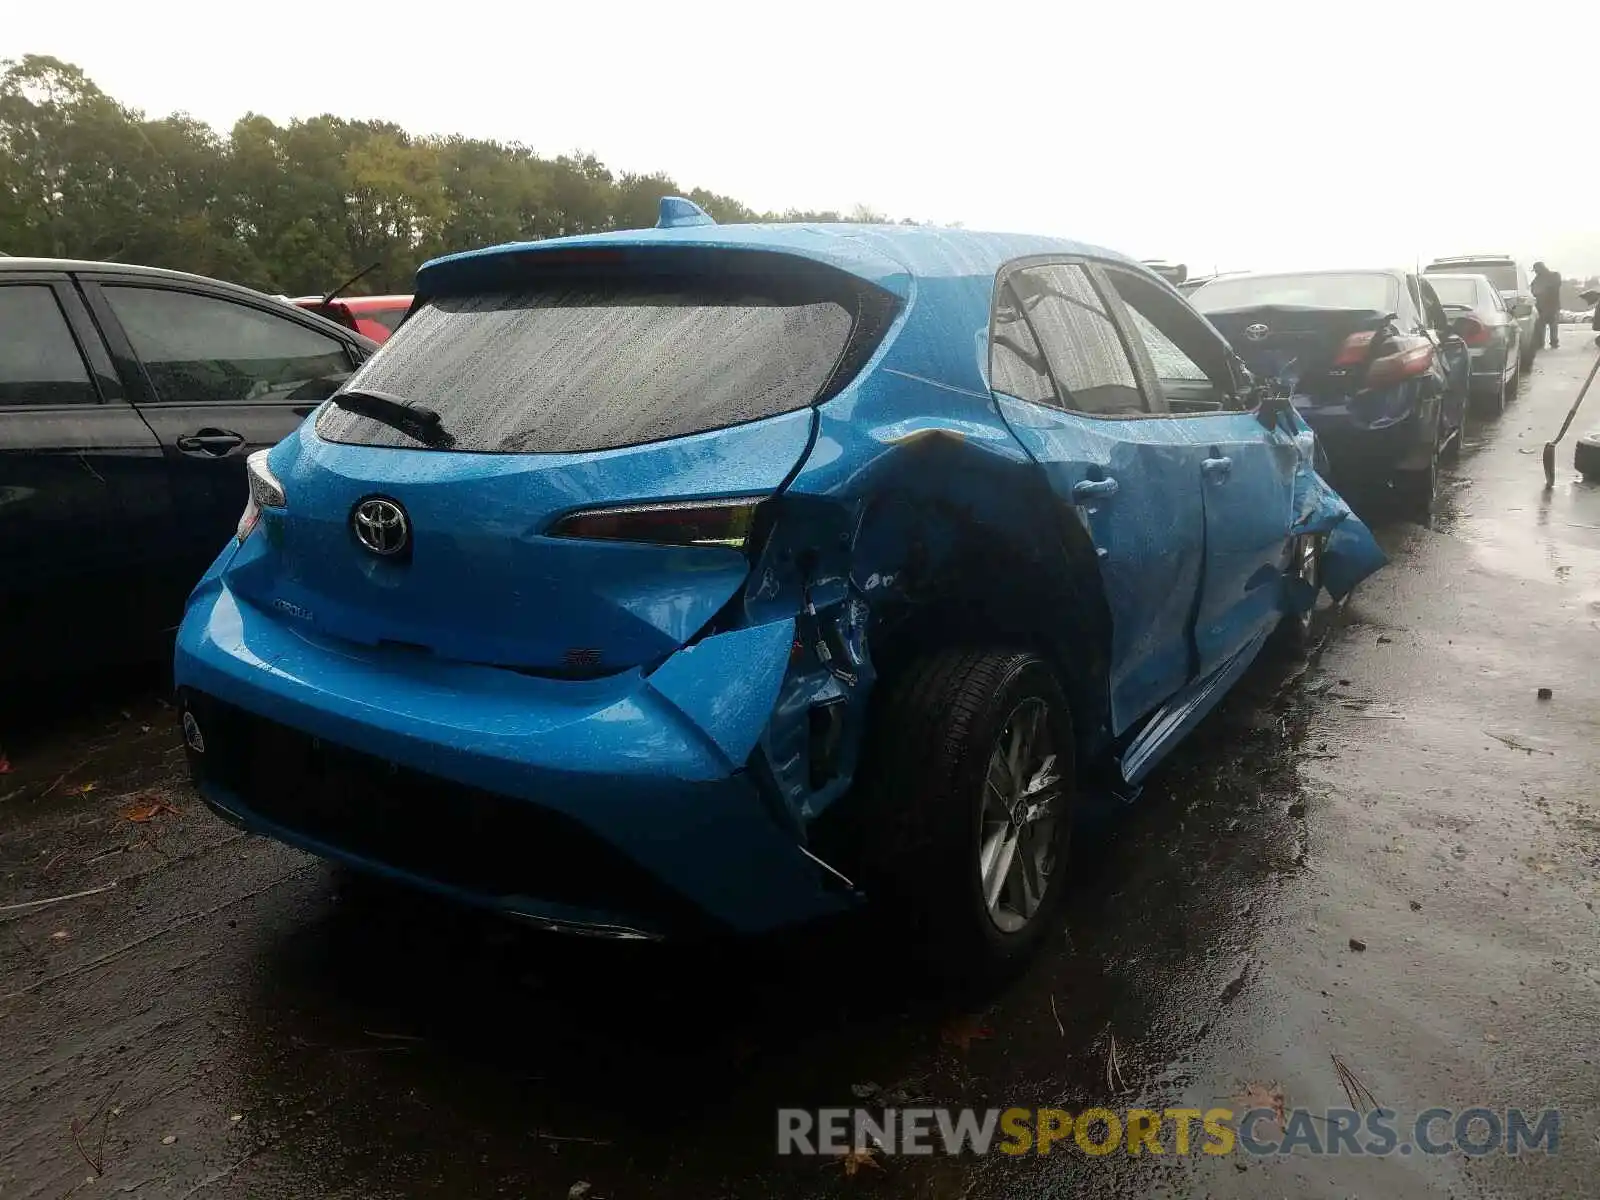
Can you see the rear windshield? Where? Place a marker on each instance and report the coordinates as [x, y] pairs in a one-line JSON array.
[[1502, 274], [1454, 290], [1356, 289], [596, 365]]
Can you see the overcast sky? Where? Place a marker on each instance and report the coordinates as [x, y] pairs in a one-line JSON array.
[[1229, 134]]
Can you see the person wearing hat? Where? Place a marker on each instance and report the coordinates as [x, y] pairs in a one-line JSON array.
[[1546, 287]]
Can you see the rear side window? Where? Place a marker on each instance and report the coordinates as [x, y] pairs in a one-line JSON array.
[[1080, 341], [203, 350], [39, 361], [602, 363], [1502, 274], [1016, 364]]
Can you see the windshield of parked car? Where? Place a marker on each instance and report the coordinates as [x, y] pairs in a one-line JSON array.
[[1322, 289], [1456, 289], [594, 365], [1502, 274]]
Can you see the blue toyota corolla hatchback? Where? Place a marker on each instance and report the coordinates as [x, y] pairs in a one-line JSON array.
[[722, 577]]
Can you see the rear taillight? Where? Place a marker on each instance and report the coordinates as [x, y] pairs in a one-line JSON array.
[[1413, 357], [1407, 358], [265, 492], [1353, 350], [701, 523], [1473, 331]]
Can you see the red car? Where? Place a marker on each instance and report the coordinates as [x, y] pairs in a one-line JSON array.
[[374, 316]]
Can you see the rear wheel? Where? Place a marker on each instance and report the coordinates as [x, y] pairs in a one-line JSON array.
[[1586, 457], [967, 799], [1492, 404], [1415, 491], [1305, 566]]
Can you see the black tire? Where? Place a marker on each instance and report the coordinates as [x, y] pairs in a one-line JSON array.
[[1528, 351], [1491, 404], [1450, 452], [936, 729], [1293, 632], [1586, 457], [1416, 492]]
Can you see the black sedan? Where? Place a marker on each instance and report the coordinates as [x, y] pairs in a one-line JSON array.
[[1493, 335], [129, 400]]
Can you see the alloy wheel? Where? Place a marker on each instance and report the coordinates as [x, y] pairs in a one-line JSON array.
[[1021, 791]]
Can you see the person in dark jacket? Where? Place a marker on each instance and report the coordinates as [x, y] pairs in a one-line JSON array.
[[1546, 286]]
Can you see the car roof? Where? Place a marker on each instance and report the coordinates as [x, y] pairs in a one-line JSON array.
[[1391, 272], [136, 271], [116, 268], [359, 303], [1472, 258], [890, 256]]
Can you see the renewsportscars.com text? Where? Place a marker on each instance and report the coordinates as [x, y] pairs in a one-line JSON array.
[[1172, 1131]]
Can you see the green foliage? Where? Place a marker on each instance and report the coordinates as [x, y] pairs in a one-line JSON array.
[[292, 209]]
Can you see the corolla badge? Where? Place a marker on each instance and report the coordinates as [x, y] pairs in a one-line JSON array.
[[1256, 332], [381, 526]]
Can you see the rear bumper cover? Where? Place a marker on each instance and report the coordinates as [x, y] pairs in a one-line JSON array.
[[651, 767], [1359, 448]]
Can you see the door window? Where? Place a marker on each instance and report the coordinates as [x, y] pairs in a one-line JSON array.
[[1169, 360], [1191, 361], [202, 349], [40, 363], [1081, 344]]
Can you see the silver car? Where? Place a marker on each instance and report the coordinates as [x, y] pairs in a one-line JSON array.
[[1479, 313], [1511, 279]]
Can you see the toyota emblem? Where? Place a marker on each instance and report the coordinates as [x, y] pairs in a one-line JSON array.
[[381, 526], [1256, 332]]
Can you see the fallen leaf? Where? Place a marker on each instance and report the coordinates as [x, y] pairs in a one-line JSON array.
[[961, 1032], [862, 1156], [237, 1117], [169, 1139], [1489, 1037], [83, 789], [60, 935], [140, 813], [1268, 1096], [579, 1190]]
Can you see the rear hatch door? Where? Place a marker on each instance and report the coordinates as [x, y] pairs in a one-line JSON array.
[[605, 433]]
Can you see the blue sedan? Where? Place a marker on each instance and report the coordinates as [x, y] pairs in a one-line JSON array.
[[712, 578]]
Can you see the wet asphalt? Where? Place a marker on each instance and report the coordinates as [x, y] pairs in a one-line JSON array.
[[223, 1017]]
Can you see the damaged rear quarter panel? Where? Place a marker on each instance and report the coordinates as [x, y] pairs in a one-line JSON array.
[[913, 472]]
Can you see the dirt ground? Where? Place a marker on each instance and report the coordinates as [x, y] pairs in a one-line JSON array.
[[215, 1015]]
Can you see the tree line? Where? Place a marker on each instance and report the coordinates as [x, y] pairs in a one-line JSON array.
[[295, 208]]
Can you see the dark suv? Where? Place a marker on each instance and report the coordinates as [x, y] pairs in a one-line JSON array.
[[129, 400]]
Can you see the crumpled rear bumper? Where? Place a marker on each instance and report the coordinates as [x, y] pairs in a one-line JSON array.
[[1350, 552], [644, 773]]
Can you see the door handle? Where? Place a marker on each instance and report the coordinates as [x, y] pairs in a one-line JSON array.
[[1087, 489], [1217, 468], [215, 442]]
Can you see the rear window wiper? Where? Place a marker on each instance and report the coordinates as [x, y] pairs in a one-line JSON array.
[[413, 420]]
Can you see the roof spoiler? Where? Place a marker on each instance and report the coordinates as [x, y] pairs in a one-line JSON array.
[[678, 213]]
